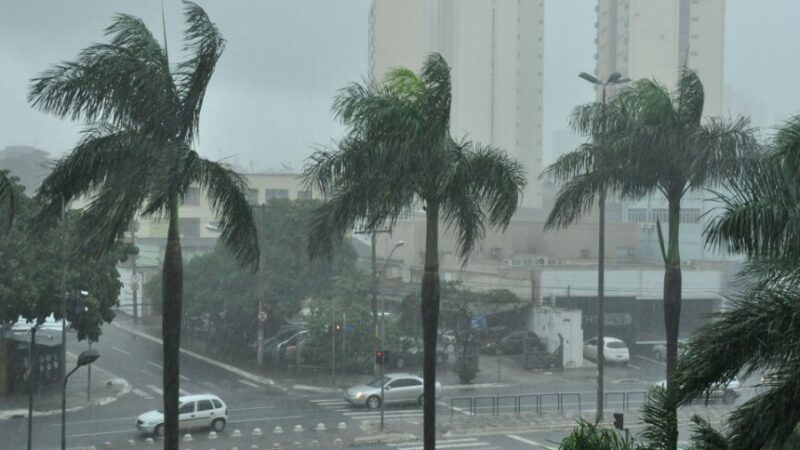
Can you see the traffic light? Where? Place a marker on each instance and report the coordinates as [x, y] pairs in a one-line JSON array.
[[379, 357], [338, 327], [618, 421]]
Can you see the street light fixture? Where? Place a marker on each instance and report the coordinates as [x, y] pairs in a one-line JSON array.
[[614, 78], [383, 326], [86, 357]]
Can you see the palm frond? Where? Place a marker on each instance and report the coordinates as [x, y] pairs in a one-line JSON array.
[[659, 415], [705, 437], [689, 98], [125, 82], [436, 101], [571, 164], [226, 192], [497, 181], [721, 148], [758, 214], [404, 82], [205, 43], [574, 199], [786, 143], [102, 153]]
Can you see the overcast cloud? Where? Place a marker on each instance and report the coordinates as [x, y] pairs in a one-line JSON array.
[[269, 101]]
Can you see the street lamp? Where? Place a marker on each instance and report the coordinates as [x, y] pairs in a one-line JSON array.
[[383, 326], [614, 78], [86, 357]]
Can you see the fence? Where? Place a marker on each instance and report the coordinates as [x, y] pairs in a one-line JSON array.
[[539, 403]]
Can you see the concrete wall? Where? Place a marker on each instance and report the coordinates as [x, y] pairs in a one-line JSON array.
[[549, 322]]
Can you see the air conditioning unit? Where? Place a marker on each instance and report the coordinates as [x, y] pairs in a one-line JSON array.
[[508, 262], [542, 261]]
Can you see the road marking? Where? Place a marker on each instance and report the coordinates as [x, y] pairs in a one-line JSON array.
[[651, 360], [454, 408], [265, 419], [183, 378], [120, 419], [252, 408], [228, 367], [329, 400], [155, 389], [127, 430], [157, 366], [530, 442], [183, 392], [248, 383], [454, 445], [121, 351], [141, 393], [635, 367]]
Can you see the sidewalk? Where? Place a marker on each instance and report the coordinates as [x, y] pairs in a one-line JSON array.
[[104, 389]]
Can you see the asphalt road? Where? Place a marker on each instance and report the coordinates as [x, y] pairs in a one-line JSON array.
[[253, 404]]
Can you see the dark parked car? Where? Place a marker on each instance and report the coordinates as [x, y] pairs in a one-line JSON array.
[[516, 342]]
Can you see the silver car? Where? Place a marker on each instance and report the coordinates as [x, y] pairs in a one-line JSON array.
[[398, 388], [194, 411]]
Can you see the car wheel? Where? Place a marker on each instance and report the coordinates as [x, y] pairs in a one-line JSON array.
[[159, 430], [373, 402], [218, 425]]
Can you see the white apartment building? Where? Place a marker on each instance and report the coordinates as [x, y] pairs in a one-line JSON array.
[[656, 38], [495, 49]]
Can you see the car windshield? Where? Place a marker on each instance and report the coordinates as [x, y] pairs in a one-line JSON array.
[[616, 344], [376, 383]]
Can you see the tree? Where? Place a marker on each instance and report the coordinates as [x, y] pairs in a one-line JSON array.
[[222, 298], [32, 269], [136, 155], [6, 198], [758, 331], [398, 153]]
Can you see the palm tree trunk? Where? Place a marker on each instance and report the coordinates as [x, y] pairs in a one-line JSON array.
[[672, 300], [430, 323], [601, 257], [171, 326]]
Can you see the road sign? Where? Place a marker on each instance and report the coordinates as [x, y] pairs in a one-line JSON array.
[[262, 316]]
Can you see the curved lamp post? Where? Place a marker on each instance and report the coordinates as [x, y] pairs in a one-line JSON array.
[[383, 326], [86, 357], [614, 78]]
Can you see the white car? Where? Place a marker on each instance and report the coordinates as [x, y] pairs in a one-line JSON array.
[[398, 388], [194, 411], [614, 350]]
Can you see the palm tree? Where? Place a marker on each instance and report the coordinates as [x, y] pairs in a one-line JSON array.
[[397, 154], [7, 201], [136, 155], [669, 149], [758, 332]]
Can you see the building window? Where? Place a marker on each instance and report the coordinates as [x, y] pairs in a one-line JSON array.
[[192, 197], [252, 196], [274, 194], [190, 227], [304, 195], [661, 215]]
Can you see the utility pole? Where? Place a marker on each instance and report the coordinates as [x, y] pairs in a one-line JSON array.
[[134, 276], [333, 342], [262, 317], [31, 382], [89, 378]]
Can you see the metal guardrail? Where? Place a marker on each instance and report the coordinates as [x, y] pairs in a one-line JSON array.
[[538, 402]]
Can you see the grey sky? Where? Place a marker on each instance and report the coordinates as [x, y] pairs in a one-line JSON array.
[[269, 101]]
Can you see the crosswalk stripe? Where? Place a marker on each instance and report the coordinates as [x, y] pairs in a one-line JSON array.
[[155, 389], [248, 383], [141, 393], [183, 392], [530, 442]]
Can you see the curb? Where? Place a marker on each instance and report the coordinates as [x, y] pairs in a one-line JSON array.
[[321, 390], [126, 388], [388, 438], [473, 386], [235, 370]]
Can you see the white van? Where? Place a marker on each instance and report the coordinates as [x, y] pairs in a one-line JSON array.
[[194, 411]]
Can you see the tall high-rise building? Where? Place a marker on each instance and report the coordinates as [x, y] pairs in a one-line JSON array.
[[495, 50], [656, 38]]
